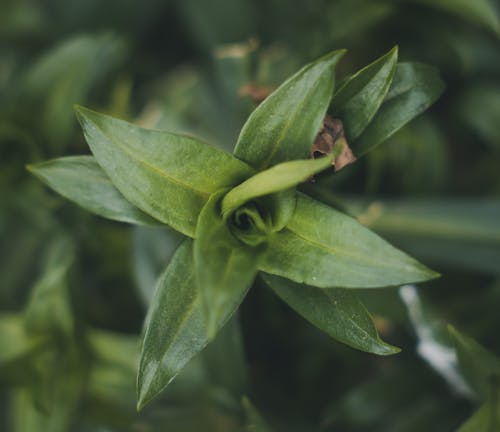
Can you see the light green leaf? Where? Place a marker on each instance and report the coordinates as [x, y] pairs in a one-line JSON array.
[[415, 87], [359, 98], [277, 178], [336, 311], [480, 367], [284, 126], [81, 180], [325, 248], [485, 419], [174, 330], [225, 266], [163, 174]]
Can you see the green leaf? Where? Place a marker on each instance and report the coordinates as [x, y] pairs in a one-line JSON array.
[[174, 330], [225, 266], [277, 178], [482, 12], [254, 420], [163, 174], [457, 232], [485, 419], [357, 101], [325, 248], [81, 180], [336, 311], [479, 366], [49, 307], [284, 126], [415, 87]]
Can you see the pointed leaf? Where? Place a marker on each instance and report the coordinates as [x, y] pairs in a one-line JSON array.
[[163, 174], [284, 126], [81, 180], [225, 267], [357, 101], [325, 248], [480, 367], [336, 311], [415, 87], [277, 178], [174, 330]]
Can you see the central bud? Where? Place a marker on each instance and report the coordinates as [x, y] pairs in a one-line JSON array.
[[250, 224]]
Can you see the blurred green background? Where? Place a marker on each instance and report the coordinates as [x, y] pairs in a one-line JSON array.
[[74, 288]]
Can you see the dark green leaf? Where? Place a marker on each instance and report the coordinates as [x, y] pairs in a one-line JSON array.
[[174, 330], [82, 180], [284, 126], [338, 312], [161, 173], [325, 248], [225, 267], [359, 98], [277, 178], [480, 367], [414, 88]]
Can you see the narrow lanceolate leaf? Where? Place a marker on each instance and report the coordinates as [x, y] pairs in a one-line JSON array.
[[284, 126], [277, 178], [359, 98], [336, 311], [325, 248], [225, 267], [415, 87], [480, 367], [163, 174], [81, 180], [174, 330]]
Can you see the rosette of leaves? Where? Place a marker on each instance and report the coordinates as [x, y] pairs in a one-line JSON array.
[[242, 215]]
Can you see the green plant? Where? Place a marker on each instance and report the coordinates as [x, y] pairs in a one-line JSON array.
[[248, 214]]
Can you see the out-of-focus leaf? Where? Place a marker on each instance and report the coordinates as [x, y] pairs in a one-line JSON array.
[[284, 126], [254, 420], [479, 108], [64, 76], [359, 98], [479, 366], [277, 178], [49, 306], [414, 88], [485, 419], [82, 180], [482, 12], [434, 343], [153, 247], [174, 330], [461, 232], [225, 267], [17, 345], [325, 248], [163, 174], [338, 312]]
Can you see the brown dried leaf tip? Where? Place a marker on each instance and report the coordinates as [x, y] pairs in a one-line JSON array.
[[330, 139]]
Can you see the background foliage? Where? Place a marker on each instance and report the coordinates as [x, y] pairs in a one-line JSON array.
[[74, 287]]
